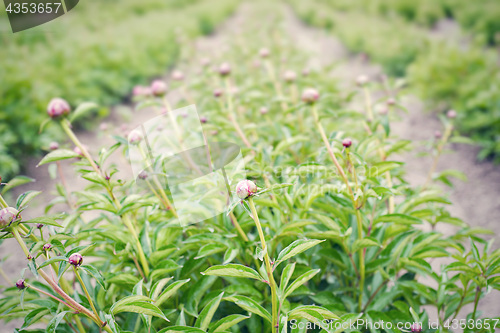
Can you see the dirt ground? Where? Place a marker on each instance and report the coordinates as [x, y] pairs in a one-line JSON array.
[[475, 201]]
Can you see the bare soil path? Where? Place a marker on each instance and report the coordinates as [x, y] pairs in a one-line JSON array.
[[476, 201]]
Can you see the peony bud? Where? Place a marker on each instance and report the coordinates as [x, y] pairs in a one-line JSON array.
[[245, 188], [39, 226], [362, 80], [7, 216], [159, 88], [305, 72], [383, 110], [58, 107], [75, 259], [310, 95], [47, 247], [53, 145], [264, 53], [289, 76], [224, 69], [391, 101], [203, 119], [451, 114], [217, 92], [347, 142], [264, 110], [134, 137], [143, 175], [437, 135], [177, 75], [20, 284], [416, 328]]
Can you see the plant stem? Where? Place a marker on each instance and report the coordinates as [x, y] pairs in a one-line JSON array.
[[272, 283], [86, 292], [49, 295], [3, 203], [361, 254], [15, 232], [440, 147], [476, 301]]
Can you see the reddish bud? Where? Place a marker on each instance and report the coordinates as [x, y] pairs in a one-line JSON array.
[[451, 114], [438, 135], [39, 226], [224, 69], [58, 107], [310, 95], [245, 188], [347, 143], [416, 328], [203, 119], [159, 88], [76, 259], [47, 247], [7, 216], [362, 80], [143, 175], [264, 110], [20, 284], [53, 145], [391, 101], [134, 137], [78, 151], [217, 92]]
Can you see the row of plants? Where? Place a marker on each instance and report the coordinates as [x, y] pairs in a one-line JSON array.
[[443, 72], [324, 232], [97, 52]]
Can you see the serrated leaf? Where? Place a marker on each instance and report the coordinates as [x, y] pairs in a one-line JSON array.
[[233, 270]]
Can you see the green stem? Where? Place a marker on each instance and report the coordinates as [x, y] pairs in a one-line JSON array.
[[439, 150], [3, 203], [272, 283], [15, 232], [476, 301], [86, 292]]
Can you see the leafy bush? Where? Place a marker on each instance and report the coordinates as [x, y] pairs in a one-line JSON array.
[[98, 53], [334, 231]]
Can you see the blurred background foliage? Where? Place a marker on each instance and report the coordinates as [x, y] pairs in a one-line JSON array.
[[448, 71], [97, 52]]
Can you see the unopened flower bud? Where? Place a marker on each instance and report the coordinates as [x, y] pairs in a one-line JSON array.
[[438, 135], [203, 119], [39, 226], [347, 143], [289, 76], [177, 75], [310, 95], [245, 188], [47, 247], [305, 72], [264, 53], [75, 259], [143, 175], [416, 328], [53, 145], [159, 88], [217, 92], [264, 110], [362, 80], [391, 101], [224, 69], [58, 107], [7, 216], [451, 114], [134, 137], [383, 110], [20, 284]]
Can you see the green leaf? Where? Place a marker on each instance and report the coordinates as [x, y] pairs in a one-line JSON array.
[[311, 313], [15, 182], [286, 274], [25, 198], [379, 168], [169, 291], [54, 322], [181, 329], [82, 110], [210, 249], [52, 260], [300, 281], [208, 312], [397, 219], [226, 323], [233, 270], [34, 316], [58, 155], [250, 305], [92, 271], [45, 220], [295, 248], [137, 304], [362, 243], [124, 279]]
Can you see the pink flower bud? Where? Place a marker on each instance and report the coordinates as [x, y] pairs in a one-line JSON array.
[[78, 151], [20, 284], [347, 142], [391, 101], [75, 259], [264, 110], [47, 247], [289, 76], [53, 145], [177, 75], [416, 328], [159, 88], [383, 110], [134, 137], [305, 72], [310, 95], [217, 92], [224, 69], [245, 188], [143, 175], [58, 107], [8, 215], [39, 226], [437, 135], [451, 114], [362, 80], [264, 53], [203, 119]]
